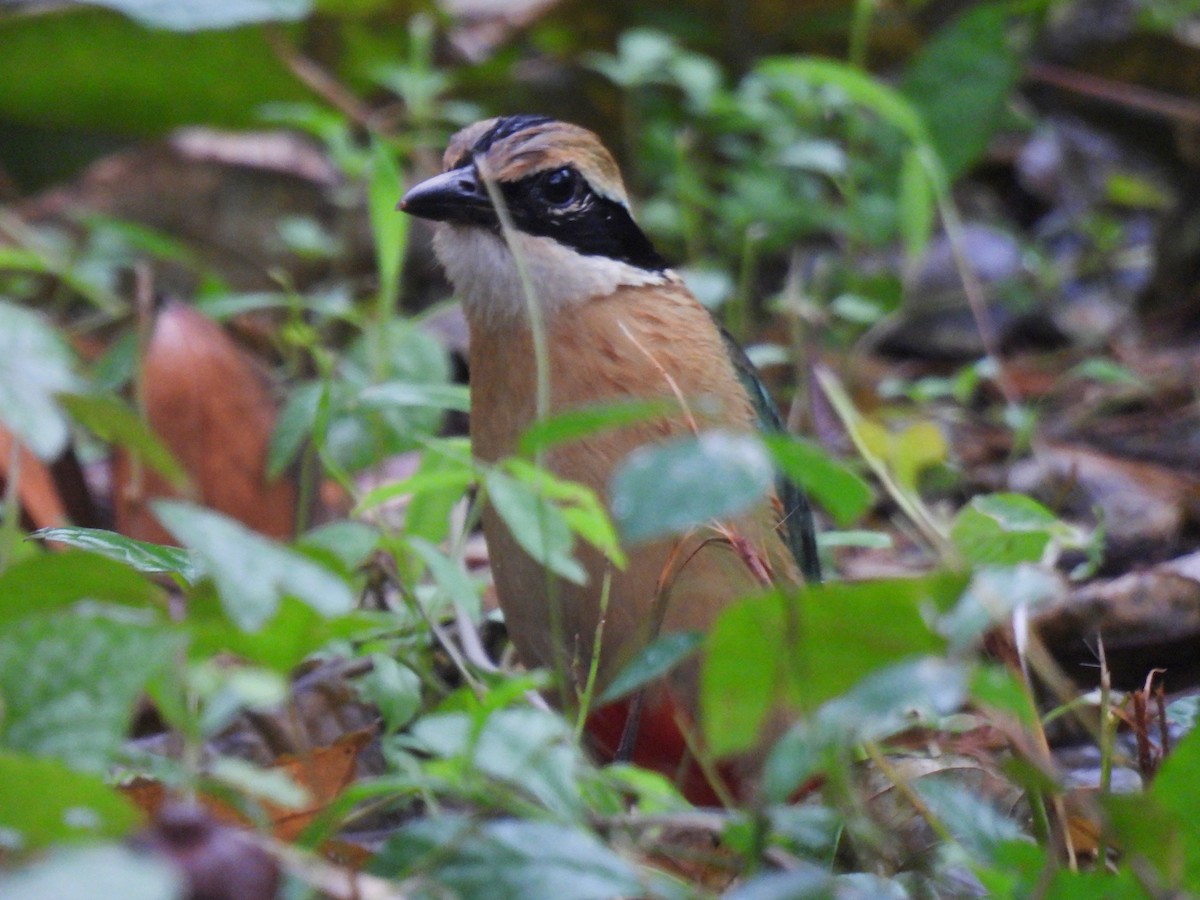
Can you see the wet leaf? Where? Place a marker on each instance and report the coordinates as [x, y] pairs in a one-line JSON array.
[[139, 555]]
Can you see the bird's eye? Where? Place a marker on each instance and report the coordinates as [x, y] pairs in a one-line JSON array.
[[560, 187]]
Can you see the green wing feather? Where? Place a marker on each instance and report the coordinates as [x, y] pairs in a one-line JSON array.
[[799, 529]]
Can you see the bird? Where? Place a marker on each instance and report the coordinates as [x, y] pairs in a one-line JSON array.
[[619, 324]]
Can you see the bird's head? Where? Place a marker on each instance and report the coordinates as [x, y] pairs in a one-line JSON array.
[[571, 225]]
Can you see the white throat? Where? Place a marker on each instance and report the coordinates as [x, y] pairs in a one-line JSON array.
[[485, 275]]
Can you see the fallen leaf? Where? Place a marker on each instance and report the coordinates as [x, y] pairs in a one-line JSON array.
[[210, 403]]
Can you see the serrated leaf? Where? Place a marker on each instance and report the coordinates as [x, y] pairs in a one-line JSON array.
[[253, 574], [35, 366], [828, 482], [69, 684], [48, 803], [656, 659], [112, 421], [668, 488]]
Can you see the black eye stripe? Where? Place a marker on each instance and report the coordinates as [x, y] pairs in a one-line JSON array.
[[587, 222]]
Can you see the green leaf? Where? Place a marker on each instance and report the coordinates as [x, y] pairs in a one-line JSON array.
[[656, 659], [668, 488], [35, 366], [530, 750], [294, 633], [139, 555], [830, 483], [69, 684], [451, 577], [392, 394], [50, 581], [507, 859], [917, 205], [580, 507], [48, 803], [390, 227], [858, 86], [203, 15], [1165, 825], [252, 574], [1005, 529], [536, 524], [103, 871], [112, 421], [961, 81], [805, 647], [294, 426], [167, 79], [585, 421], [394, 688]]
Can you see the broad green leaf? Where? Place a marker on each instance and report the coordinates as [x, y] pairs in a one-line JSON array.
[[114, 422], [139, 555], [889, 700], [347, 541], [253, 574], [508, 859], [1005, 529], [1164, 824], [857, 85], [392, 687], [107, 870], [669, 488], [830, 483], [580, 506], [440, 482], [802, 648], [450, 575], [575, 424], [50, 581], [992, 597], [529, 750], [655, 660], [48, 803], [35, 366], [69, 684], [294, 426], [167, 79], [293, 634], [536, 523], [960, 82]]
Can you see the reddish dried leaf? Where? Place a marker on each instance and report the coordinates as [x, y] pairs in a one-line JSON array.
[[40, 501], [324, 774], [210, 404]]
